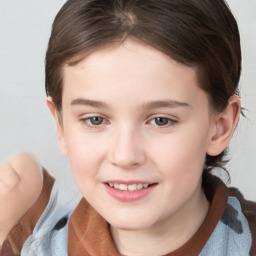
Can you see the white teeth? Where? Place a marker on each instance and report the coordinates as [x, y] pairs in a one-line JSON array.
[[139, 186], [132, 187], [125, 187], [122, 187]]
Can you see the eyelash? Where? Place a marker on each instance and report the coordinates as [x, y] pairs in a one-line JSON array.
[[167, 122], [88, 122], [170, 122]]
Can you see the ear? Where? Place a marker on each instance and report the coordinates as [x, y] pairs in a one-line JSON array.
[[59, 126], [224, 126]]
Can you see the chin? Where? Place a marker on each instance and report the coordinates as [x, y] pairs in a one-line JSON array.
[[135, 225]]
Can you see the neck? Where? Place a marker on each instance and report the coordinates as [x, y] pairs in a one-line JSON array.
[[165, 236]]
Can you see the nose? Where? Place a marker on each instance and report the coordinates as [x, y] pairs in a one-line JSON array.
[[127, 151]]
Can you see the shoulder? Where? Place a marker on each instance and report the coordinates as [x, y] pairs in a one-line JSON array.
[[236, 228], [249, 211]]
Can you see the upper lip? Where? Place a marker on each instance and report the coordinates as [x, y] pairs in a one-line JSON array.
[[130, 182]]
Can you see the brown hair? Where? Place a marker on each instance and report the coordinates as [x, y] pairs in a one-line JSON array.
[[199, 33]]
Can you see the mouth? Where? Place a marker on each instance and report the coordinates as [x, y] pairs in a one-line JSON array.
[[129, 187], [129, 191]]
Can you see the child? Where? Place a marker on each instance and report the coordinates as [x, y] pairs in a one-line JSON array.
[[145, 98]]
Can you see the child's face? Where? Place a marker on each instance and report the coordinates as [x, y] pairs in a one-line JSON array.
[[133, 116]]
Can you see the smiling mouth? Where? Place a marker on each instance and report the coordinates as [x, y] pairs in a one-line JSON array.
[[130, 187]]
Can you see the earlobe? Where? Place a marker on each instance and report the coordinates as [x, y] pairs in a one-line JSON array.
[[225, 123], [59, 126]]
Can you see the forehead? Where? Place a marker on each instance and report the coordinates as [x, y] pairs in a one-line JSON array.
[[129, 68], [125, 52]]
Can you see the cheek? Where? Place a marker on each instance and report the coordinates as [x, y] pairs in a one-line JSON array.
[[86, 153], [83, 166], [181, 156], [180, 162]]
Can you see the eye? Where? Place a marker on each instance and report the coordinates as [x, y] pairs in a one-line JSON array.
[[162, 121], [94, 121]]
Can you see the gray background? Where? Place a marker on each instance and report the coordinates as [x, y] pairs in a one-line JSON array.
[[26, 124]]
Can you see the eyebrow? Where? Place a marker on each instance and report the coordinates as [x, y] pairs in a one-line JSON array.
[[165, 104], [90, 103], [149, 105]]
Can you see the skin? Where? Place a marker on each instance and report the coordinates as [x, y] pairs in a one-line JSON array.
[[110, 130], [20, 186]]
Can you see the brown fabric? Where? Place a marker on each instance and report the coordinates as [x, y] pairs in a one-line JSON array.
[[249, 211], [89, 233], [18, 234]]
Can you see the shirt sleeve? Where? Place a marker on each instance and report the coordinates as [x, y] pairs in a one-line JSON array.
[[19, 233]]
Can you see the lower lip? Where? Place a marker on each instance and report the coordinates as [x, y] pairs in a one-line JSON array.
[[129, 196]]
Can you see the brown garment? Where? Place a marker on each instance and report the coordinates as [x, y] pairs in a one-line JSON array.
[[89, 233]]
